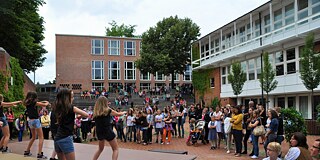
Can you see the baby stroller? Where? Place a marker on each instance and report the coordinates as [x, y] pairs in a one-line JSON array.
[[196, 134]]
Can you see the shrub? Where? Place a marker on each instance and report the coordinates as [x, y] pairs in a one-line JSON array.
[[293, 122]]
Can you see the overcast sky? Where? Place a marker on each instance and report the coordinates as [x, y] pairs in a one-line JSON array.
[[83, 17]]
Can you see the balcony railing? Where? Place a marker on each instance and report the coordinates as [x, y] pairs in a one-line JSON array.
[[270, 38]]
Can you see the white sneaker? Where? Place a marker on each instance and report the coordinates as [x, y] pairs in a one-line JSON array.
[[254, 157], [168, 142], [228, 151]]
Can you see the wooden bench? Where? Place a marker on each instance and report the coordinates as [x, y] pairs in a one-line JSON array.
[[169, 151]]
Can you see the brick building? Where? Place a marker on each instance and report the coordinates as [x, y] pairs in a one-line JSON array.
[[276, 27], [90, 62], [5, 67]]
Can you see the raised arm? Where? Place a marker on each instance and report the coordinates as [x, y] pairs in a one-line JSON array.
[[80, 112], [42, 103], [115, 113], [10, 104]]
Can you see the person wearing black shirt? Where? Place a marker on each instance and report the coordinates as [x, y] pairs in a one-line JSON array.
[[65, 115], [32, 104]]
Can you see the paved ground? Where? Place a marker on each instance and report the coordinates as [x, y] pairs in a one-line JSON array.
[[203, 152]]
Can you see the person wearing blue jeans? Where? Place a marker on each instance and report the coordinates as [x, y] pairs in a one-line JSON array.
[[20, 126], [256, 121], [272, 133]]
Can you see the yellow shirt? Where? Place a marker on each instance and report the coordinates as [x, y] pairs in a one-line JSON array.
[[45, 121], [237, 124]]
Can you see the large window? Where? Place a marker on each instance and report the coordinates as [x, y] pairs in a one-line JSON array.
[[242, 34], [248, 31], [244, 68], [129, 71], [257, 28], [224, 75], [251, 69], [144, 86], [277, 18], [258, 67], [97, 70], [145, 76], [267, 27], [160, 77], [187, 73], [114, 47], [292, 102], [289, 14], [129, 48], [291, 61], [315, 8], [303, 106], [114, 70], [97, 46], [98, 86], [279, 63], [302, 10]]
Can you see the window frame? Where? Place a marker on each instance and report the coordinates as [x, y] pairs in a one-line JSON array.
[[94, 47], [126, 70], [110, 47], [125, 46], [110, 69], [93, 69]]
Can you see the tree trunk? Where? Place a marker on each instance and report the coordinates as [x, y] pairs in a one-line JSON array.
[[267, 101], [312, 105], [237, 100]]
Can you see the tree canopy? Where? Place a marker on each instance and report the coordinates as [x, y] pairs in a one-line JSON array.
[[120, 31], [310, 68], [267, 80], [237, 78], [166, 47], [21, 32]]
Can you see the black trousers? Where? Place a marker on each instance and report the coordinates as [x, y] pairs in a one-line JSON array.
[[237, 134]]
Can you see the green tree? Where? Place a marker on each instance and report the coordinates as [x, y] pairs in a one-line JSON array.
[[21, 32], [237, 78], [120, 31], [166, 47], [310, 65], [267, 81]]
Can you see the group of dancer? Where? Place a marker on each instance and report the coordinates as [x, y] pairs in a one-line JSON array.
[[62, 124]]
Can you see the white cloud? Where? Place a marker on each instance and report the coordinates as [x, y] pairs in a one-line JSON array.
[[91, 17]]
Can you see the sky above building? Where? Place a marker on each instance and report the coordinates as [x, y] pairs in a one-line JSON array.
[[83, 17]]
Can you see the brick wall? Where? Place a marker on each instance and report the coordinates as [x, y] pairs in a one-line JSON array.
[[28, 85]]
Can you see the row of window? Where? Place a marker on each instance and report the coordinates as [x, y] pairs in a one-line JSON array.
[[147, 86], [97, 47], [129, 72], [280, 18], [284, 62]]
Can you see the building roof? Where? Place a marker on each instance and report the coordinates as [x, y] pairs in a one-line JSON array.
[[137, 38]]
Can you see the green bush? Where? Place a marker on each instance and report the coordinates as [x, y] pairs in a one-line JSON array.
[[293, 122]]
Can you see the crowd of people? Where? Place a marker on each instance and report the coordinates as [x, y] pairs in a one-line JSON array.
[[151, 124]]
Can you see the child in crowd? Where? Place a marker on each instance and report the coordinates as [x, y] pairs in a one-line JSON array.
[[212, 136], [102, 115], [192, 126], [167, 128], [31, 102], [159, 125], [20, 126], [65, 114], [4, 124]]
